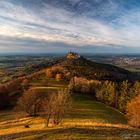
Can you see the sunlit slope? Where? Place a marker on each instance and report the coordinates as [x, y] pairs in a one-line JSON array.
[[88, 119]]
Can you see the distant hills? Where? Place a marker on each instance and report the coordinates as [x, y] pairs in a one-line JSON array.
[[79, 66]]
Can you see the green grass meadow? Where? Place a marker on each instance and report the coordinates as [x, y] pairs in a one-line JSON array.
[[87, 120]]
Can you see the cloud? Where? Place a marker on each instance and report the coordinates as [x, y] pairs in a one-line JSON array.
[[50, 24]]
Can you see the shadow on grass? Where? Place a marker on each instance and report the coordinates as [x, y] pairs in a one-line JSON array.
[[4, 116], [87, 107], [73, 132]]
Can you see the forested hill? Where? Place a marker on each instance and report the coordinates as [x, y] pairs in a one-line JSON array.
[[80, 66]]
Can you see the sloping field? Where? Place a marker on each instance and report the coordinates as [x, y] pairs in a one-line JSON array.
[[88, 120]]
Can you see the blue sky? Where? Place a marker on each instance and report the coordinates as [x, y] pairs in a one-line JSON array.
[[95, 26]]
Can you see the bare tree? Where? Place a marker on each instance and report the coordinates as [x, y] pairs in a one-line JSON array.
[[61, 104], [47, 107], [30, 103], [56, 106]]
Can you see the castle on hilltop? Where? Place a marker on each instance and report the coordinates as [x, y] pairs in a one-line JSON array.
[[73, 55]]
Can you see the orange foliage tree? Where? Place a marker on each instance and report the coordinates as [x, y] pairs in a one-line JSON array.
[[133, 112], [49, 73], [58, 76], [25, 83]]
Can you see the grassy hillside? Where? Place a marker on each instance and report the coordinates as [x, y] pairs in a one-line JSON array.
[[87, 108], [88, 120]]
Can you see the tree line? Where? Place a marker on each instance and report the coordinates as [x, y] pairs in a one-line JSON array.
[[11, 91], [123, 96]]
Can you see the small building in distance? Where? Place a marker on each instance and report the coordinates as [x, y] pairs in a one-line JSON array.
[[73, 55]]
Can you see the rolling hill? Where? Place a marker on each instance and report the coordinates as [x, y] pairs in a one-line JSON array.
[[80, 66]]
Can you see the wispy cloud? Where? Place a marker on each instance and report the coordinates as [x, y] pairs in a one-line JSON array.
[[51, 24]]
